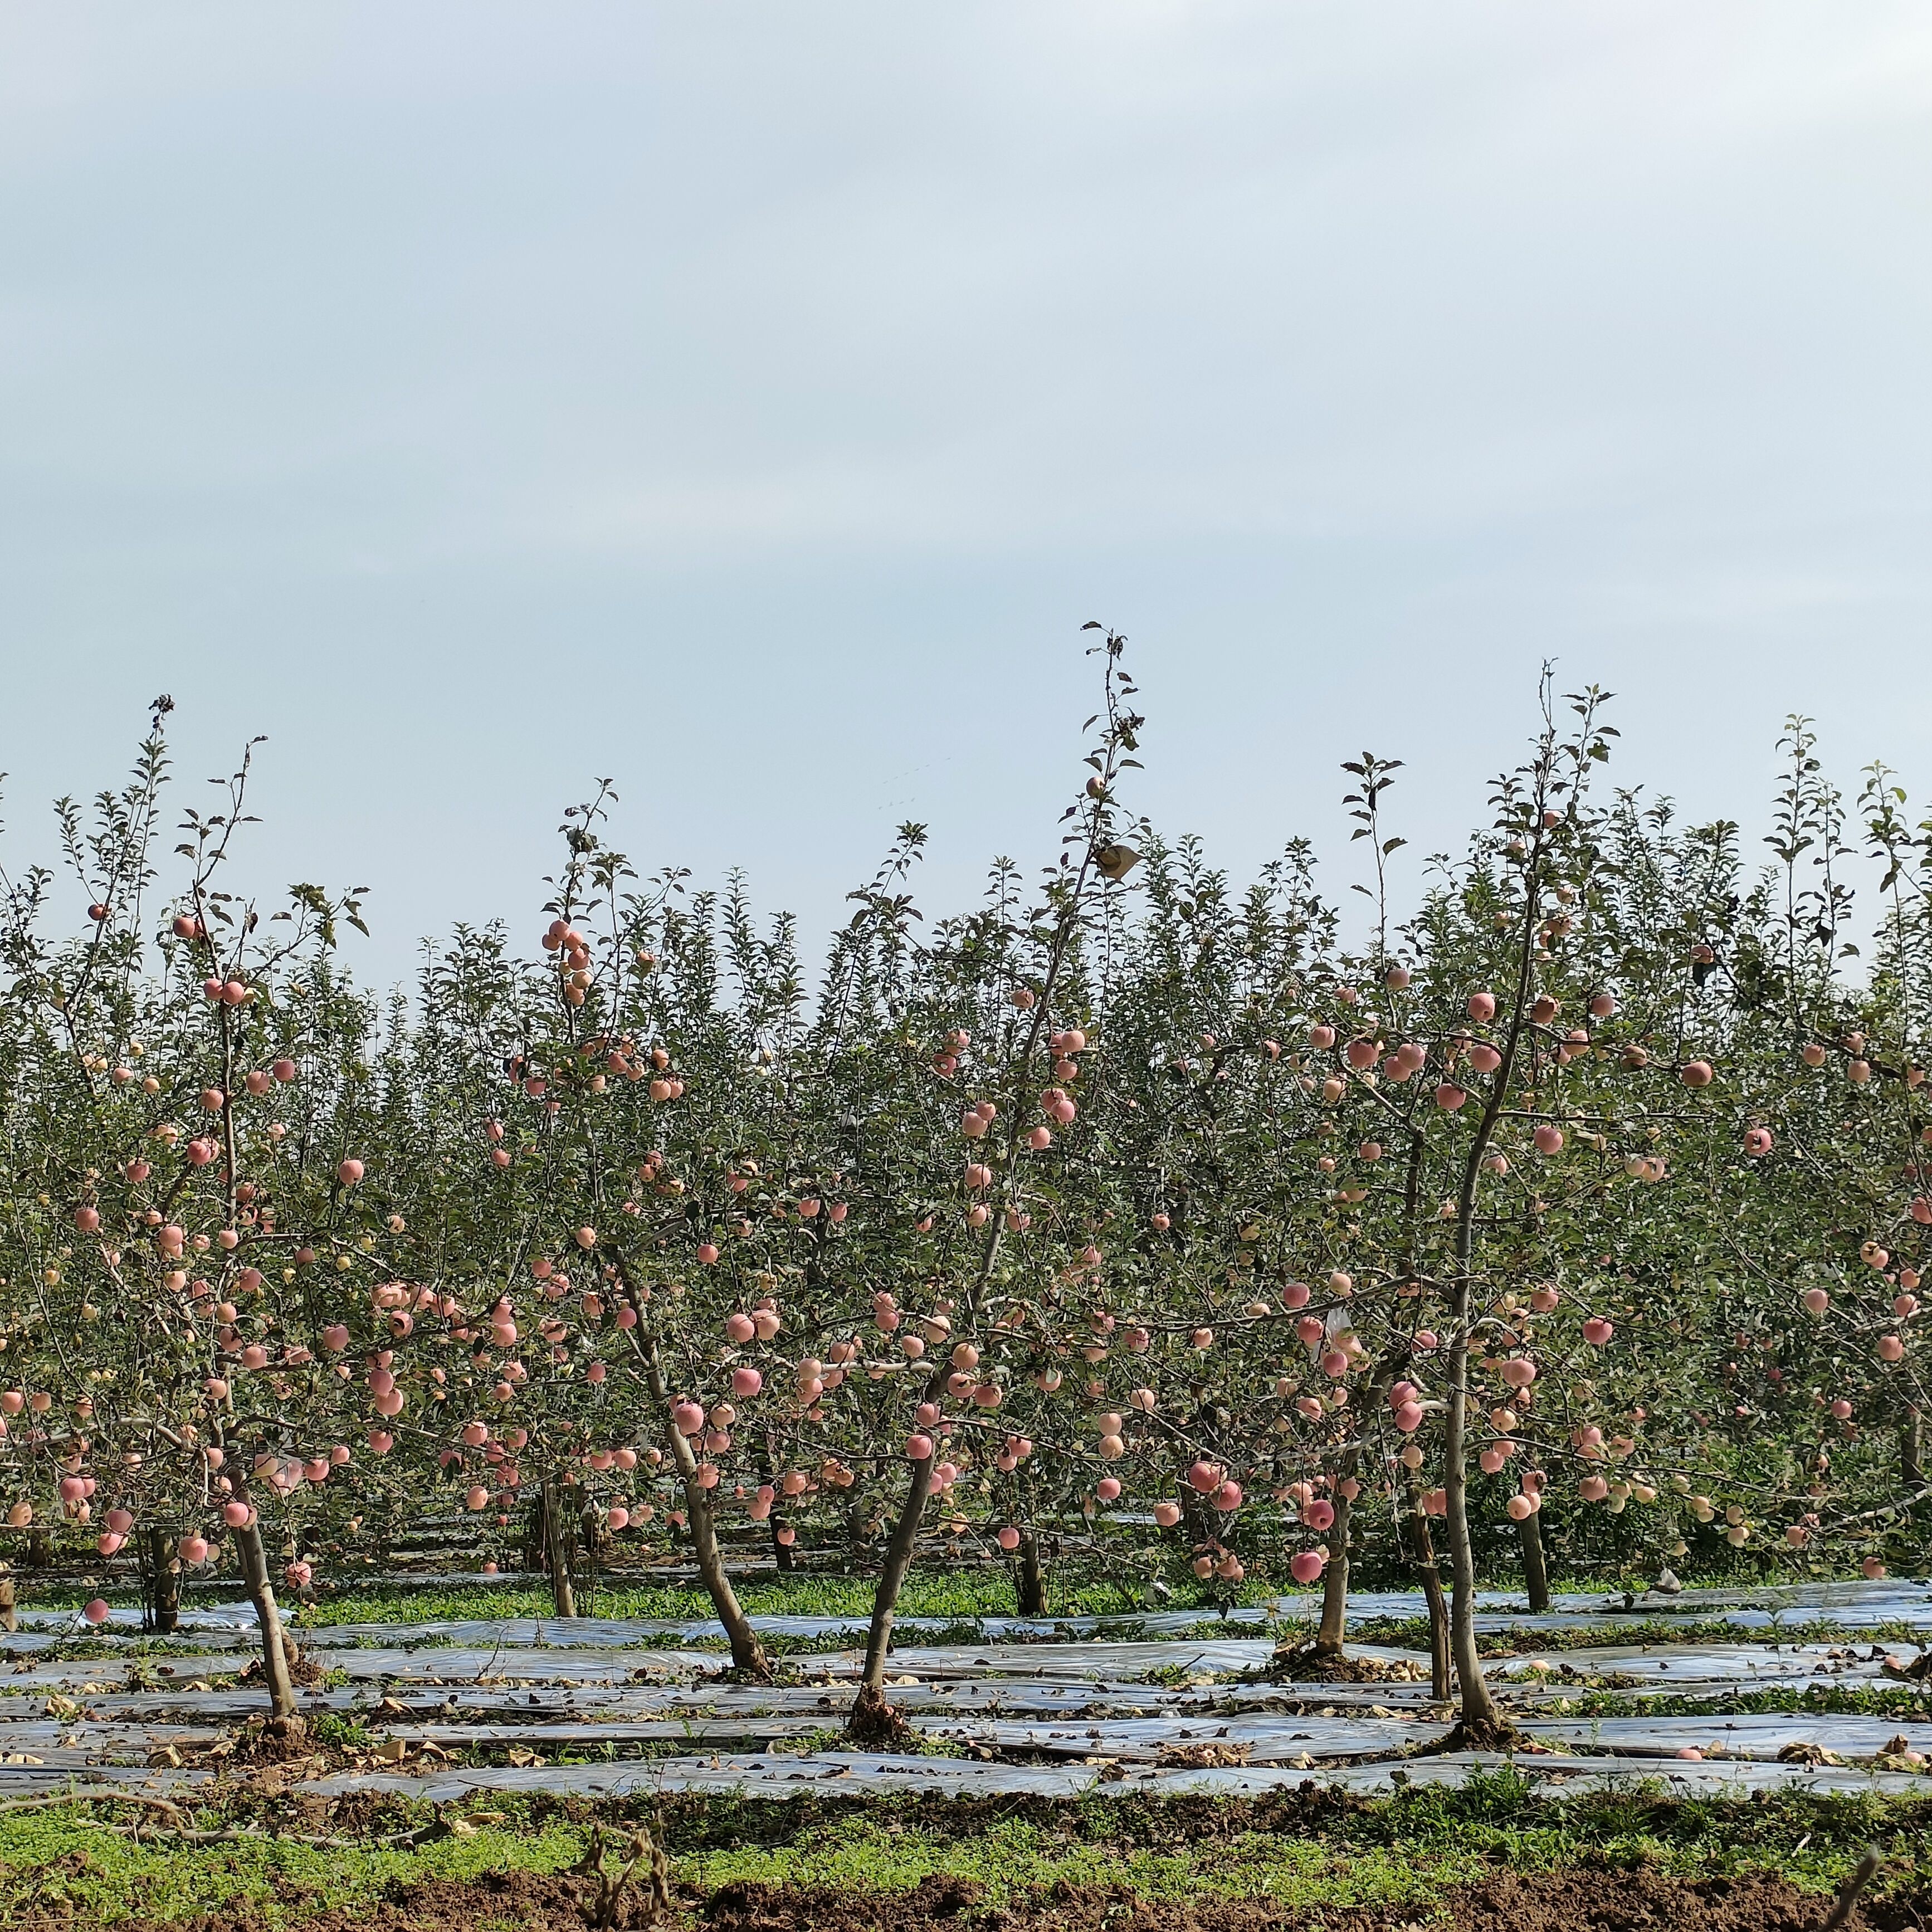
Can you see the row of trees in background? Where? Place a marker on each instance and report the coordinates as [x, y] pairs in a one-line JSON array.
[[1124, 1205]]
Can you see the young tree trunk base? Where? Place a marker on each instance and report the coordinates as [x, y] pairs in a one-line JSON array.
[[875, 1724], [1331, 1637], [160, 1581], [557, 1552], [1426, 1567], [1535, 1570], [1030, 1579], [276, 1663], [871, 1698], [748, 1655]]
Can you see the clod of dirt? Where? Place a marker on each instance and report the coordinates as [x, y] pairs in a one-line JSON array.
[[940, 1900], [1476, 1736], [1303, 1664], [268, 1740], [1202, 1757]]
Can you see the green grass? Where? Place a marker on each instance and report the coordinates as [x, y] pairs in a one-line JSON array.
[[1013, 1856], [1404, 1850], [1089, 1587], [114, 1650], [1303, 1850], [1412, 1633], [54, 1861], [1898, 1702], [929, 1592], [951, 1595]]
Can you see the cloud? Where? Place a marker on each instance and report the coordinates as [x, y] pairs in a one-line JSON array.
[[454, 376]]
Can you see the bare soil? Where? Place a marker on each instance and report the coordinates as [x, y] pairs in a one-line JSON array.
[[1586, 1901], [1565, 1902]]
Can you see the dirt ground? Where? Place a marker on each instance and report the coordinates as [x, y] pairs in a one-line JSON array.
[[1573, 1901]]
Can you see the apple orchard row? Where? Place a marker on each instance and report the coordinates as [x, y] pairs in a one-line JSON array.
[[1578, 1215]]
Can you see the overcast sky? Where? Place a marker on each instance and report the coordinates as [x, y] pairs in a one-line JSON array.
[[749, 401]]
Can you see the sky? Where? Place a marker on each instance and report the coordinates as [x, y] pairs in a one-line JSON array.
[[749, 402]]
